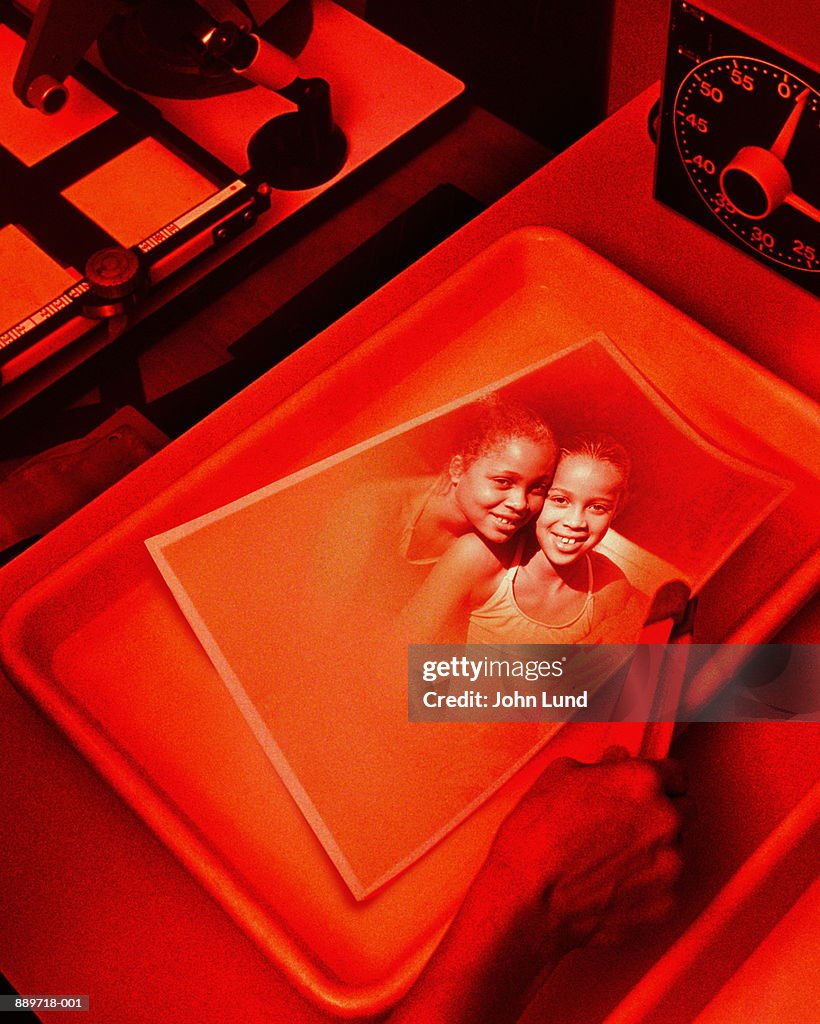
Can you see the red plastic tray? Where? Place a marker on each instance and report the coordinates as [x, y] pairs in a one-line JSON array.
[[103, 648]]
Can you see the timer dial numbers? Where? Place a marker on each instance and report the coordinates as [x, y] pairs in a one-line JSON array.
[[748, 133]]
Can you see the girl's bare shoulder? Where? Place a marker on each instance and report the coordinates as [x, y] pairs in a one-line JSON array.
[[473, 565], [472, 552]]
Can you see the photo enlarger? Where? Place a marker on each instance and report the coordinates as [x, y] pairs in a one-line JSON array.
[[187, 132]]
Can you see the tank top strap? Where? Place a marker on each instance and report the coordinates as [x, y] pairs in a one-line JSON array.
[[408, 530], [515, 564]]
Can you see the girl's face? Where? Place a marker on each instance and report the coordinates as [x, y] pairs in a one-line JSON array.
[[579, 506], [500, 491]]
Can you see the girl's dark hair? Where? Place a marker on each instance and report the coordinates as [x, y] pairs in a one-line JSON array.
[[604, 449], [494, 421]]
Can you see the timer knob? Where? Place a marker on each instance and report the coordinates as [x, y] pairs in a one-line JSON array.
[[756, 182], [113, 273]]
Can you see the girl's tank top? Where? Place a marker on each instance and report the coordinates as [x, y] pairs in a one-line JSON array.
[[500, 620]]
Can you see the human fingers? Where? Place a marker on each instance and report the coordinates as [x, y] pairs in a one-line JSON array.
[[637, 867], [670, 771], [657, 874], [646, 897], [604, 924], [616, 753], [617, 925], [666, 821], [673, 776], [620, 802], [643, 780], [633, 805], [628, 778], [554, 775]]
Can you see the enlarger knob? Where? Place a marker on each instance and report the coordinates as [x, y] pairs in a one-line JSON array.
[[113, 273], [46, 94]]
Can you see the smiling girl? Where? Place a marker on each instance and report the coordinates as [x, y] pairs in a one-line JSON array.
[[494, 483], [549, 587]]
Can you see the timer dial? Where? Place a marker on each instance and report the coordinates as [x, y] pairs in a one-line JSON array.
[[748, 136]]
